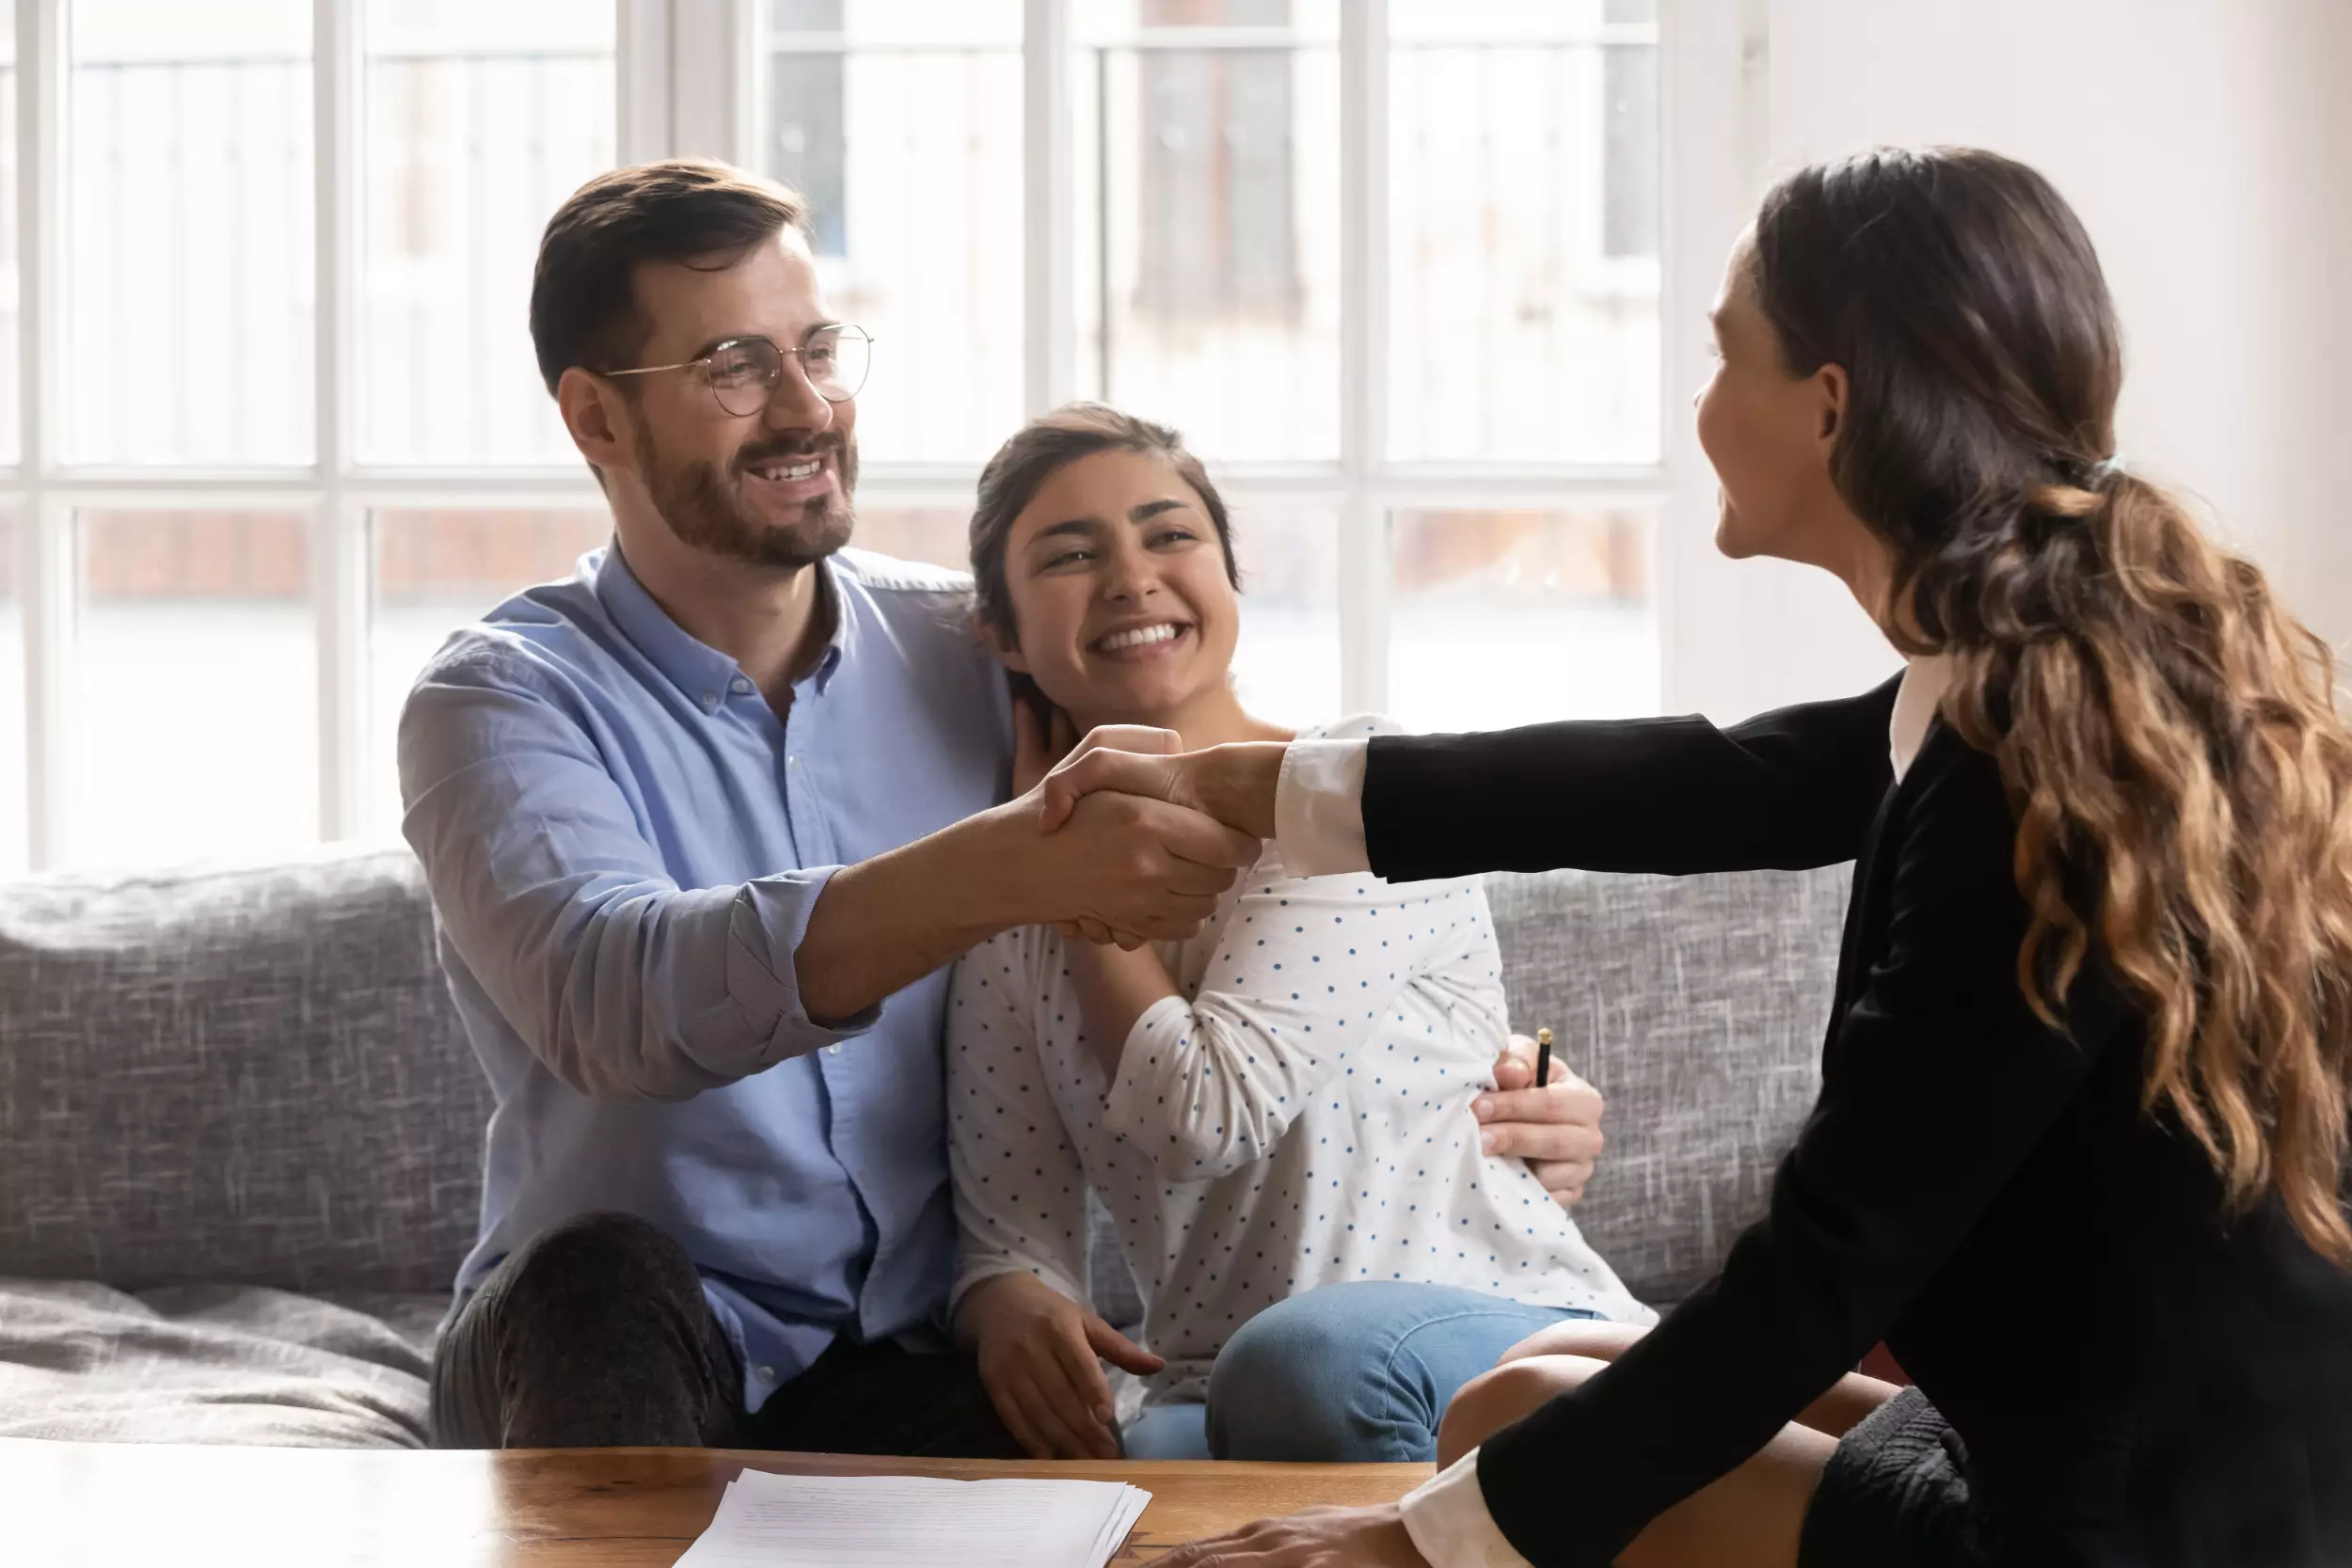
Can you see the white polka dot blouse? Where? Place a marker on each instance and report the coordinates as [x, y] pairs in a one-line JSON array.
[[1298, 1115]]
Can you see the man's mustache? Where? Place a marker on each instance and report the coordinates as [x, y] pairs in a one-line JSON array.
[[757, 452]]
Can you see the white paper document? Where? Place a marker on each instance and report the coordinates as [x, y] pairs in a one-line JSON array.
[[770, 1521]]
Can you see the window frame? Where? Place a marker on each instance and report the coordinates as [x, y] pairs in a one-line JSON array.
[[688, 82]]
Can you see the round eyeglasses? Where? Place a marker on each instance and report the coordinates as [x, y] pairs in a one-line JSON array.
[[744, 372]]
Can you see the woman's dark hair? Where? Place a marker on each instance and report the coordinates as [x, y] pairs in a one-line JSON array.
[[2167, 733], [1043, 448]]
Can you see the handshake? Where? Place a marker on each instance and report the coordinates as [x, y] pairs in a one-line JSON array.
[[1132, 839]]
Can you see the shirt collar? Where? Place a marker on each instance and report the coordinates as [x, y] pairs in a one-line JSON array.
[[834, 599], [702, 672], [1925, 681]]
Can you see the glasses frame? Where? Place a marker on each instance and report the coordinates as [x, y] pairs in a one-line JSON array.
[[795, 353]]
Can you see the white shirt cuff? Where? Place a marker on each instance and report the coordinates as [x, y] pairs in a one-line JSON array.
[[1319, 808], [1446, 1515]]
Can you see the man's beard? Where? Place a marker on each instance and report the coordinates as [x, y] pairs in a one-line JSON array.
[[703, 508]]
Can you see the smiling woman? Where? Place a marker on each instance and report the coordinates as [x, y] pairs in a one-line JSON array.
[[1227, 1088], [1122, 555]]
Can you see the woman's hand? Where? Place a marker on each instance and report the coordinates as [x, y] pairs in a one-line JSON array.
[[1320, 1538], [1555, 1129], [1234, 782], [1037, 1352], [1044, 749]]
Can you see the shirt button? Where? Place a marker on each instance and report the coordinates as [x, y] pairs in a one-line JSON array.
[[767, 1374], [791, 762], [710, 699], [834, 1049], [742, 685]]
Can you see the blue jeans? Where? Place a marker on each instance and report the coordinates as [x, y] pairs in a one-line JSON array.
[[1347, 1373]]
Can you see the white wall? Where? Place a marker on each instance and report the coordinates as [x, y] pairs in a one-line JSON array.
[[2208, 147]]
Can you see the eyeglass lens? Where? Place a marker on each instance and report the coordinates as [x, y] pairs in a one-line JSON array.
[[743, 373]]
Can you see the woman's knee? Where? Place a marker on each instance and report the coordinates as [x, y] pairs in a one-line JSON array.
[[1595, 1338], [1276, 1390], [1492, 1400]]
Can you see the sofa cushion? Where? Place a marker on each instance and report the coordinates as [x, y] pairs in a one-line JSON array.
[[256, 1076], [244, 1076], [212, 1364], [1697, 1006]]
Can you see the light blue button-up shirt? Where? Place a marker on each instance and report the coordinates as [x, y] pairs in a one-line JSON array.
[[624, 845]]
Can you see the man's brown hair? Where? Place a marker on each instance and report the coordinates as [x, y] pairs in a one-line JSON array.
[[583, 293]]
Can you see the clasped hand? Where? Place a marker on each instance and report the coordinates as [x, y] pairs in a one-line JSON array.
[[1160, 841], [1139, 865]]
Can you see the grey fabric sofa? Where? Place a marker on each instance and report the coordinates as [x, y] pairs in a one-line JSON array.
[[240, 1129]]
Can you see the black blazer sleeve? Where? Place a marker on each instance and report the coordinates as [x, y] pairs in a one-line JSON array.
[[1937, 1083], [1793, 789]]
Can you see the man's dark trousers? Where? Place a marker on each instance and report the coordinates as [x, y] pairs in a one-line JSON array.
[[597, 1334]]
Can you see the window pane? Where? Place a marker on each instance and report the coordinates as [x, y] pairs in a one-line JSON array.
[[1523, 195], [937, 535], [10, 308], [478, 121], [192, 261], [195, 688], [14, 779], [435, 572], [901, 120], [1502, 618], [1207, 216], [1287, 667]]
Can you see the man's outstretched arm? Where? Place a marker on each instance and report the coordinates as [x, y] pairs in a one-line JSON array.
[[1127, 864], [625, 984]]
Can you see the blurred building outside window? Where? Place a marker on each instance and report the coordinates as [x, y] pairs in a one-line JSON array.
[[267, 613]]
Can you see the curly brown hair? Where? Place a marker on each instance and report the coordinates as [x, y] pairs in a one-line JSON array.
[[2167, 732]]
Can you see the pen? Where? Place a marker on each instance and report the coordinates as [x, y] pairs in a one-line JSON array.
[[1543, 1057]]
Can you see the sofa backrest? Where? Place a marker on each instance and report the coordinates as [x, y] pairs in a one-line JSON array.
[[255, 1075], [1698, 1006], [250, 1075]]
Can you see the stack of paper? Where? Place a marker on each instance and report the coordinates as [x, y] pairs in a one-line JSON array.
[[769, 1521]]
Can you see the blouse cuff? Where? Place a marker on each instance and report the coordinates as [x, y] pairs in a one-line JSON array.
[[1319, 808], [1446, 1515]]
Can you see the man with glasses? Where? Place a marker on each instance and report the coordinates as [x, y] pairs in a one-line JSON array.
[[703, 825]]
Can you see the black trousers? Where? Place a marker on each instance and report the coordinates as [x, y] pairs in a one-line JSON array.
[[596, 1334]]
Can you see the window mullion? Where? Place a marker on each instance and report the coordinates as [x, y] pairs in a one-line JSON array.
[[47, 552], [713, 60], [48, 613], [1713, 76], [339, 589], [642, 92], [1049, 293], [1364, 353]]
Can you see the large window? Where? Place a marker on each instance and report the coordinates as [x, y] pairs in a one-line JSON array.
[[1205, 152], [270, 428], [901, 121], [476, 122], [1523, 231], [187, 196]]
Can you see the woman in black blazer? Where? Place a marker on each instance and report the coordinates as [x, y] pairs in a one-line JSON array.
[[2079, 1155]]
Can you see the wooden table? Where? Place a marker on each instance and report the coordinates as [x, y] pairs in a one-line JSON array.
[[96, 1505]]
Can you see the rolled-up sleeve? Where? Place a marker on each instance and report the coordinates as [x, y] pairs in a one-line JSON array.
[[624, 983]]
